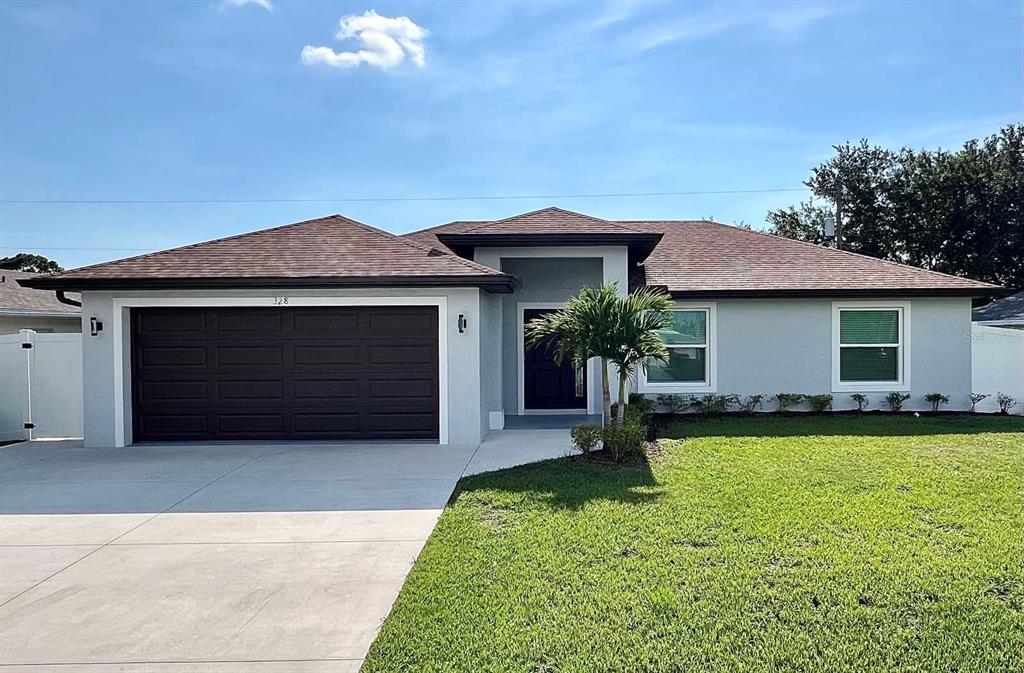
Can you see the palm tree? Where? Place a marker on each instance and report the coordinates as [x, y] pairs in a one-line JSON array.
[[581, 330], [639, 316], [599, 323]]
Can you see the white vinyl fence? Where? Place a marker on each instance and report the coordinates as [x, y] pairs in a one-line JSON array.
[[997, 363], [40, 385]]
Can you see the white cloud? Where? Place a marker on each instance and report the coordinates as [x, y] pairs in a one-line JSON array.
[[265, 4], [784, 19], [385, 42]]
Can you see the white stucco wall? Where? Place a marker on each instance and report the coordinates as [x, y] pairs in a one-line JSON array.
[[105, 391], [785, 345]]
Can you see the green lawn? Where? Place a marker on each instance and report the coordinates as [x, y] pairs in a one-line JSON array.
[[775, 544]]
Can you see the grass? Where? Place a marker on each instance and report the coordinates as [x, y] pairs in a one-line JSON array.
[[768, 544]]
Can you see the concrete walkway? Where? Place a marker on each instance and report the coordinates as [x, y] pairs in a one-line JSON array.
[[219, 558]]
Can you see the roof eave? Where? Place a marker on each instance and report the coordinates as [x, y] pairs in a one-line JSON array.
[[846, 293], [39, 313], [494, 283], [641, 241]]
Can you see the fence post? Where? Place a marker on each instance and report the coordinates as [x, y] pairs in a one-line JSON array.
[[28, 348]]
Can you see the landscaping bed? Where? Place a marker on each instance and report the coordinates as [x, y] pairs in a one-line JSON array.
[[830, 543]]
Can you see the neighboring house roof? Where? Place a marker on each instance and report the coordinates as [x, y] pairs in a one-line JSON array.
[[18, 300], [702, 258], [331, 251], [1006, 310]]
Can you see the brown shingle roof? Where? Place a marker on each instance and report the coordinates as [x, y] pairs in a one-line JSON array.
[[331, 248], [702, 257], [18, 300]]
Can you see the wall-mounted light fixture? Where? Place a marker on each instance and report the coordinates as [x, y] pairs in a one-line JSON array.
[[462, 323], [95, 326]]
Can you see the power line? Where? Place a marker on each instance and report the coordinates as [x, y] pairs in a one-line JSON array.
[[389, 199]]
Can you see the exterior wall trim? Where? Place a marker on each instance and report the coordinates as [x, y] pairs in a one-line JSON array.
[[122, 360]]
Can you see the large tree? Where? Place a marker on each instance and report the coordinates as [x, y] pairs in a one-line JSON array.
[[959, 212], [25, 261]]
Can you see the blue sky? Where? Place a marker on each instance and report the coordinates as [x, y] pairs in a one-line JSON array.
[[271, 99]]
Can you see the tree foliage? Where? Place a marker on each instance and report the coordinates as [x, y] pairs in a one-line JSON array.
[[959, 212], [25, 261]]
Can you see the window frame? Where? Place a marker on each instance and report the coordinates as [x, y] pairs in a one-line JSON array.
[[903, 363], [710, 384]]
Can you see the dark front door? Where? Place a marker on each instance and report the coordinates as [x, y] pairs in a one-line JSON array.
[[547, 384], [285, 373]]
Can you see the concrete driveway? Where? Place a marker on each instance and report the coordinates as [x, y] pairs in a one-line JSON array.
[[283, 557]]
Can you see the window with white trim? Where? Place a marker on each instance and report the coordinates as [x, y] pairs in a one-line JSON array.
[[689, 341], [870, 345]]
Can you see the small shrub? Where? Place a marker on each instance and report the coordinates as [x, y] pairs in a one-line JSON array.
[[977, 397], [787, 400], [1005, 402], [714, 405], [896, 400], [751, 403], [861, 400], [624, 441], [935, 399], [585, 437], [820, 403], [642, 405], [637, 407], [676, 404]]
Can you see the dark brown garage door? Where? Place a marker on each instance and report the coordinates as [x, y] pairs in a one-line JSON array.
[[285, 373]]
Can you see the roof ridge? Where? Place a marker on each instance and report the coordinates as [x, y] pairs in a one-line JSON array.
[[442, 226], [192, 245], [546, 208], [844, 252], [418, 246]]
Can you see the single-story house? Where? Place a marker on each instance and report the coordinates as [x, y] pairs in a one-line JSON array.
[[330, 328], [26, 308], [1006, 312]]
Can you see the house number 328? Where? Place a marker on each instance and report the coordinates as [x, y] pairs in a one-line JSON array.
[[278, 301]]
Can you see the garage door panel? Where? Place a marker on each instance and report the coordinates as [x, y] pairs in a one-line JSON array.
[[398, 423], [251, 424], [172, 390], [412, 389], [256, 321], [326, 355], [345, 390], [174, 356], [176, 321], [249, 355], [251, 389], [285, 373], [176, 426], [340, 424], [338, 323], [384, 323], [401, 354]]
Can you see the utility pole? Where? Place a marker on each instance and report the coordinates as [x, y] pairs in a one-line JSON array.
[[839, 216]]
